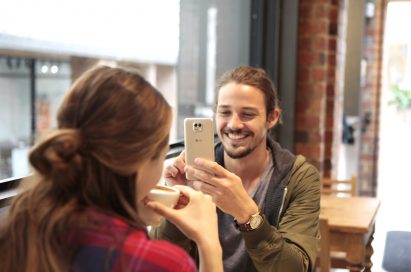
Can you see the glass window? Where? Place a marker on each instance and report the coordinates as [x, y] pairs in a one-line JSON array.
[[27, 86], [214, 37], [181, 47]]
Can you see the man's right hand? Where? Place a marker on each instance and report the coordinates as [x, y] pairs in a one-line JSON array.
[[174, 173]]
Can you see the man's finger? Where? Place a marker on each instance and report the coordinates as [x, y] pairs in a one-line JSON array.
[[203, 176], [210, 167], [204, 187]]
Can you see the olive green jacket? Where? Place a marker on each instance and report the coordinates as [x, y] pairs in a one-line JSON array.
[[289, 239]]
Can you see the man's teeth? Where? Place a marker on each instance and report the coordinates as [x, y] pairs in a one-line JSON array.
[[235, 136]]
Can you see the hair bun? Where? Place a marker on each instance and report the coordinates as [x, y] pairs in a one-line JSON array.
[[58, 152]]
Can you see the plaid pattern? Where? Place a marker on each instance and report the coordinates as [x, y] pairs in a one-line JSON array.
[[110, 244]]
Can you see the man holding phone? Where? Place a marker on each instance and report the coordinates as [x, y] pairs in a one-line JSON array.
[[268, 199]]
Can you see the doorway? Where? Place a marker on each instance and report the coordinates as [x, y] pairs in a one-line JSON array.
[[394, 180]]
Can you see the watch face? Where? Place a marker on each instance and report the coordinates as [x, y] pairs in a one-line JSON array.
[[256, 221]]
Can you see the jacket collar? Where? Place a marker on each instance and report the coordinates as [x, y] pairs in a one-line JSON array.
[[283, 160]]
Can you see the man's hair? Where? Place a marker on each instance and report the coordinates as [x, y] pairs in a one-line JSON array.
[[106, 127], [255, 77]]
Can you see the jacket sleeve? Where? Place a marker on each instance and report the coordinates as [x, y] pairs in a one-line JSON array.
[[293, 245]]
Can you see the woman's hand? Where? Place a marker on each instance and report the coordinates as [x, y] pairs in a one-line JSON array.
[[195, 215], [174, 173]]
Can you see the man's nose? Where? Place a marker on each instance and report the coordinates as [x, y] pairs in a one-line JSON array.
[[235, 122]]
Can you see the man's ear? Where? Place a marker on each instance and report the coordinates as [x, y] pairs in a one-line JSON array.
[[273, 118]]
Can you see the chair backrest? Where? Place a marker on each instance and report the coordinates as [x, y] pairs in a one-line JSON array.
[[337, 187], [323, 260]]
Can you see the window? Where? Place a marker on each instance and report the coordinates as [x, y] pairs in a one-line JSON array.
[[181, 47]]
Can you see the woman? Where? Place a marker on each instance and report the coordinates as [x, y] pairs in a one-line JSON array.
[[80, 212]]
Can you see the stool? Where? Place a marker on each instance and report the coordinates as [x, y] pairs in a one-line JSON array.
[[397, 252]]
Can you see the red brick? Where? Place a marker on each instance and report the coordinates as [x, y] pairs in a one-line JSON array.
[[330, 110], [319, 89], [315, 26], [305, 44], [331, 74], [305, 58], [321, 11], [333, 28], [329, 123], [303, 74], [302, 104], [305, 2], [316, 137], [304, 88], [332, 44], [310, 121], [318, 74], [305, 10], [332, 60], [316, 108], [321, 43], [301, 136], [333, 14], [309, 150]]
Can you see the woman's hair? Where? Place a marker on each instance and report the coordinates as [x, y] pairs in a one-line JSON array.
[[255, 77], [109, 121]]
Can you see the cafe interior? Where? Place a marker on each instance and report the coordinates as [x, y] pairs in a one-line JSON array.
[[342, 69]]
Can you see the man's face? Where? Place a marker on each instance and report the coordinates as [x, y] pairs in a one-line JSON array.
[[241, 119]]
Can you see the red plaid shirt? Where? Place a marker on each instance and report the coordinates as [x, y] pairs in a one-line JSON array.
[[110, 244]]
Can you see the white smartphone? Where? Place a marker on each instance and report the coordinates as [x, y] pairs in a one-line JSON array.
[[198, 140]]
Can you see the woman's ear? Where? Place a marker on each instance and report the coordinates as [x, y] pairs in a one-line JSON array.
[[273, 118]]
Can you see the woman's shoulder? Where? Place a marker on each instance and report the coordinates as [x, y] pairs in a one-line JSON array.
[[111, 241]]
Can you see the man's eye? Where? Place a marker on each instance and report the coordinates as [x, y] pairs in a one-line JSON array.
[[224, 112], [248, 114]]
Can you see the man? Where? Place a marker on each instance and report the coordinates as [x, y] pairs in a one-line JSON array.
[[268, 199]]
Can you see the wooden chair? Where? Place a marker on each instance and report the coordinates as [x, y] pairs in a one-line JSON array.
[[326, 258], [323, 259], [343, 188]]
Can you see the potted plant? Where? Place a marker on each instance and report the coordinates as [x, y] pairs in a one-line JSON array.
[[401, 99]]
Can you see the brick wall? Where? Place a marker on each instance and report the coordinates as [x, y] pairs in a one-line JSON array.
[[318, 99], [370, 100]]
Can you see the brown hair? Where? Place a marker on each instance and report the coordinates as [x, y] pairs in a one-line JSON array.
[[106, 127], [255, 77]]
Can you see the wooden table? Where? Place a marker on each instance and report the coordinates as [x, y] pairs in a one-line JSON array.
[[352, 222]]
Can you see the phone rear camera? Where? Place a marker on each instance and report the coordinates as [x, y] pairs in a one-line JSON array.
[[197, 127]]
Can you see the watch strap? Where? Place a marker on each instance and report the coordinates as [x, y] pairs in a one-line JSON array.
[[246, 227]]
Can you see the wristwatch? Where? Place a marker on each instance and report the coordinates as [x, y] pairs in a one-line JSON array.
[[255, 221]]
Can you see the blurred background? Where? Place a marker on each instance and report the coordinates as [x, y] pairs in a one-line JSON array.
[[342, 68]]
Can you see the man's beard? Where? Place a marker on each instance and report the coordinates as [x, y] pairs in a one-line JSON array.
[[241, 154]]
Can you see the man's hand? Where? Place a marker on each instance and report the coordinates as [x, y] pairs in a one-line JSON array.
[[225, 187]]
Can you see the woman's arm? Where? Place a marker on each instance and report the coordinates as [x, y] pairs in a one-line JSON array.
[[203, 230]]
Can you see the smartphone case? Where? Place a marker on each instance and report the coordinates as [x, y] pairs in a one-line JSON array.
[[198, 140]]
